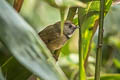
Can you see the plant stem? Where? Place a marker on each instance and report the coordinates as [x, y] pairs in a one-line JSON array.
[[81, 61], [100, 41], [18, 4], [63, 16], [80, 46]]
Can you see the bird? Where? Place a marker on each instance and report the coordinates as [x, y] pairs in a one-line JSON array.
[[53, 39]]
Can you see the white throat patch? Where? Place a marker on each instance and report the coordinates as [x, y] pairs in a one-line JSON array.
[[70, 35]]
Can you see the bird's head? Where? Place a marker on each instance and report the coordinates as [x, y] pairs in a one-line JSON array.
[[69, 28]]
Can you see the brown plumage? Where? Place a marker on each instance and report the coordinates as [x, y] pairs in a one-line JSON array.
[[52, 38]]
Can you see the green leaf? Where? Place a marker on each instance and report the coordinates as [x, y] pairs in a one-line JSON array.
[[88, 32], [14, 70], [88, 21], [88, 18], [89, 26], [26, 46]]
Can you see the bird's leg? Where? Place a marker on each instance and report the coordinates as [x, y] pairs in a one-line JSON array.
[[56, 54]]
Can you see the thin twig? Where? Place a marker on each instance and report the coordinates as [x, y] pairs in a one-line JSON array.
[[80, 46], [100, 41], [18, 4]]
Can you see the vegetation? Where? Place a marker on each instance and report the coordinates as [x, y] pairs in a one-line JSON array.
[[92, 52]]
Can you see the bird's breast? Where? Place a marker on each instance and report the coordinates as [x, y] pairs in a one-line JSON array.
[[57, 43]]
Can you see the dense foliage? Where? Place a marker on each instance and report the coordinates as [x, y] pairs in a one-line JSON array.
[[23, 55]]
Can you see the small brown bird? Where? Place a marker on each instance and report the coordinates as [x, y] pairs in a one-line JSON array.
[[52, 38]]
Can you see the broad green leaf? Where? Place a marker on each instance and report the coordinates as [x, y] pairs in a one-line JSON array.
[[108, 4], [14, 70], [88, 18], [9, 64], [89, 24], [93, 8], [88, 28], [26, 46]]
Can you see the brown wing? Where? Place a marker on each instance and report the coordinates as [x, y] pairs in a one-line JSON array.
[[49, 34]]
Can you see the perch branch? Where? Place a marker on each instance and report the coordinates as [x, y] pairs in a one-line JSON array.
[[100, 41]]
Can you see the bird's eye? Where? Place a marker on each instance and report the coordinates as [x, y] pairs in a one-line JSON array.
[[70, 26]]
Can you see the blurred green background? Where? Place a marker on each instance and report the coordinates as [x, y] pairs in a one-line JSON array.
[[39, 14]]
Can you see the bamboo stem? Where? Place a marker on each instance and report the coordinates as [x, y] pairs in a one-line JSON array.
[[80, 48], [100, 41], [80, 52]]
